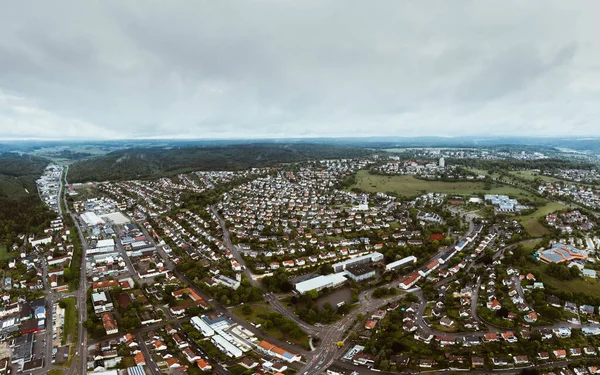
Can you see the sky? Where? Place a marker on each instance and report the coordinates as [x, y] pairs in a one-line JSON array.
[[279, 68]]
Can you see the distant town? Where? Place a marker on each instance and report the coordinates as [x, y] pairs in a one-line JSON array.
[[439, 260]]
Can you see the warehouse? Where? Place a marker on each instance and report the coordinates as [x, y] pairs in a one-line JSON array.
[[321, 282], [201, 326], [363, 259], [91, 219], [402, 262], [226, 347]]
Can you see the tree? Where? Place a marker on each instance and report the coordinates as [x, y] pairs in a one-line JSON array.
[[247, 310]]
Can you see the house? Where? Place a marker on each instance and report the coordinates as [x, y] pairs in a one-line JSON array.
[[363, 359], [190, 355], [248, 363], [203, 365], [181, 343], [589, 350], [543, 356], [499, 361], [159, 345], [477, 362], [575, 352], [139, 359], [532, 317], [370, 324], [109, 323], [170, 330], [490, 337], [562, 332], [446, 322], [559, 354], [446, 340], [172, 363], [494, 305], [102, 302], [509, 337], [521, 359], [586, 309]]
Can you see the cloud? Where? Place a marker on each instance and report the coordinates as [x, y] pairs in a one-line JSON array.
[[260, 68]]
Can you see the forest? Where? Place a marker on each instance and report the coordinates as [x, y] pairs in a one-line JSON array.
[[155, 162], [21, 211]]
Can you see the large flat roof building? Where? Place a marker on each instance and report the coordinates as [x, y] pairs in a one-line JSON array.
[[321, 282], [359, 272], [400, 263], [363, 259], [560, 253]]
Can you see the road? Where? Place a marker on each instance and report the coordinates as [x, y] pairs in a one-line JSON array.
[[79, 365], [269, 297]]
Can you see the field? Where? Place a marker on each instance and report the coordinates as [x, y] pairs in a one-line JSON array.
[[409, 186], [531, 222], [530, 175], [70, 328], [4, 254], [257, 316], [581, 285], [578, 285]]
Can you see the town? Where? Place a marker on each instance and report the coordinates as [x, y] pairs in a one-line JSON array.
[[312, 267]]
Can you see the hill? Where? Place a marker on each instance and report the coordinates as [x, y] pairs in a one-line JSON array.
[[21, 210], [155, 162]]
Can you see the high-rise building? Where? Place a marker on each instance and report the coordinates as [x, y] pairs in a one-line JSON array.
[[442, 163]]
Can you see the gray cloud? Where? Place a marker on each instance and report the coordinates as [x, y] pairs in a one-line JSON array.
[[118, 69]]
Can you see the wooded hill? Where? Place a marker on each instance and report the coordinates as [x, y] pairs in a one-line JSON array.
[[156, 162], [21, 210]]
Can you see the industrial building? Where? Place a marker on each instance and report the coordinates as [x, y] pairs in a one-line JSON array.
[[363, 259], [359, 272], [402, 262], [91, 219], [228, 337], [201, 326], [321, 282]]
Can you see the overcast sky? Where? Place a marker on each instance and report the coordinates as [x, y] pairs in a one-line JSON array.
[[225, 69]]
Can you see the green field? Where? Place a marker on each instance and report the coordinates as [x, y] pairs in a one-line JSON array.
[[531, 222], [409, 186], [580, 285], [259, 312], [70, 328], [5, 254], [531, 175]]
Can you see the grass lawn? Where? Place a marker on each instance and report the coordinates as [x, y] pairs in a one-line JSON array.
[[258, 316], [56, 371], [531, 175], [589, 286], [5, 254], [531, 222], [70, 328], [410, 186]]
